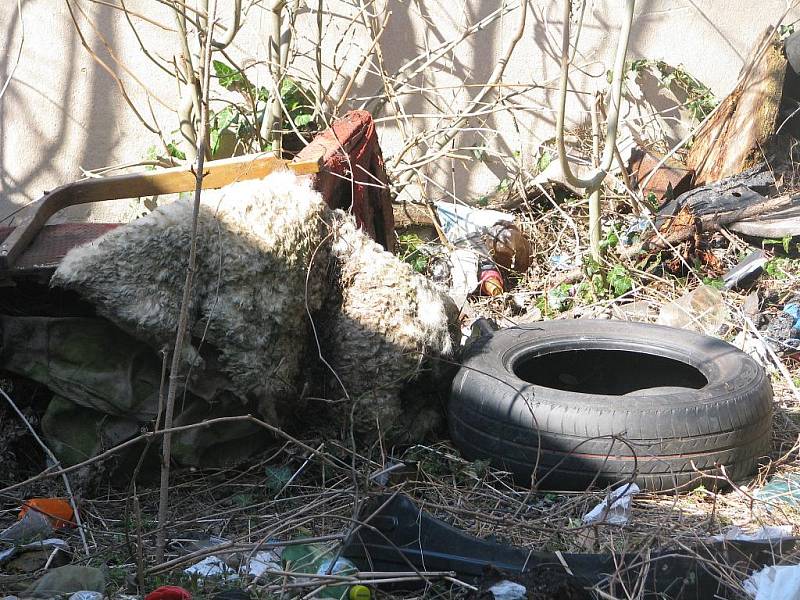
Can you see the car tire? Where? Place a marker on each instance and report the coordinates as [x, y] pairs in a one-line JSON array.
[[571, 404]]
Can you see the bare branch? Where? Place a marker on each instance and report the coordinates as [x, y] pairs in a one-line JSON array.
[[183, 318], [616, 97], [231, 33]]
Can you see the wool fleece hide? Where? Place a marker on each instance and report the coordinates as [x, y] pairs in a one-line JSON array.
[[256, 240], [391, 336], [271, 253]]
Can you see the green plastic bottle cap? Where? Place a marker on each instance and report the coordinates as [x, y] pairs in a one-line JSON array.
[[360, 592]]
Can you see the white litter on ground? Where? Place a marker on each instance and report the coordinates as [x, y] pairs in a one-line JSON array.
[[767, 532], [775, 583], [508, 590], [459, 221], [615, 509], [213, 566]]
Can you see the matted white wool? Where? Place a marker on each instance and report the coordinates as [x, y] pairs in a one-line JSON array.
[[390, 324], [255, 242], [255, 281]]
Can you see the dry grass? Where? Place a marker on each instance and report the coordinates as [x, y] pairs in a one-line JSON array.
[[249, 508], [252, 509]]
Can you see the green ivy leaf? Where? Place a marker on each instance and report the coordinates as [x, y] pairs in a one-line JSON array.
[[291, 94], [303, 120], [228, 77], [544, 161], [224, 118], [611, 240], [715, 282], [175, 152], [598, 285], [620, 280], [419, 264], [785, 242], [479, 152], [774, 269], [592, 266]]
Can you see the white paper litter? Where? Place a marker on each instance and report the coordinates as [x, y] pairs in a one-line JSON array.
[[213, 566], [774, 583], [767, 532], [508, 590], [753, 346], [262, 562], [615, 509], [210, 566], [464, 274], [459, 221]]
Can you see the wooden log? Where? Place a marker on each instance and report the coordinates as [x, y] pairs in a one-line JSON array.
[[733, 139]]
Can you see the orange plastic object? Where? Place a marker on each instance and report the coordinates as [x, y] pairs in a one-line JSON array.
[[491, 283], [57, 510]]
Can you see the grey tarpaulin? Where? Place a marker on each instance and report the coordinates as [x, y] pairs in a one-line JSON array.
[[106, 387]]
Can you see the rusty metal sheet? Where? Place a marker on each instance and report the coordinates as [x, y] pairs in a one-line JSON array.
[[670, 180]]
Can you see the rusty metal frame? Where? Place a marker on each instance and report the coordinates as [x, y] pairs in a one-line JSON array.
[[218, 173]]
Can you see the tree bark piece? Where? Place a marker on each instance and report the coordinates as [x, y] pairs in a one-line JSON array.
[[733, 138], [684, 224]]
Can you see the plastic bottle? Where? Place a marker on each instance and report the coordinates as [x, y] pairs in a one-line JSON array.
[[342, 566], [703, 309], [489, 279], [319, 559]]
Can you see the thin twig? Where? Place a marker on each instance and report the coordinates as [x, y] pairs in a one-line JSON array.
[[183, 318], [55, 462]]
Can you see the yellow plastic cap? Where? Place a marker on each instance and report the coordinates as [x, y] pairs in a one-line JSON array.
[[360, 592]]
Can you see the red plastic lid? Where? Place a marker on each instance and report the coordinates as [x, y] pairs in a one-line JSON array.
[[169, 592]]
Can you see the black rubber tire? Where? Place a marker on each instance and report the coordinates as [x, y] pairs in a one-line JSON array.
[[658, 438]]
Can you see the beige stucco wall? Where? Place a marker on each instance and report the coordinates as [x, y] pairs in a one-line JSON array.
[[63, 112]]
